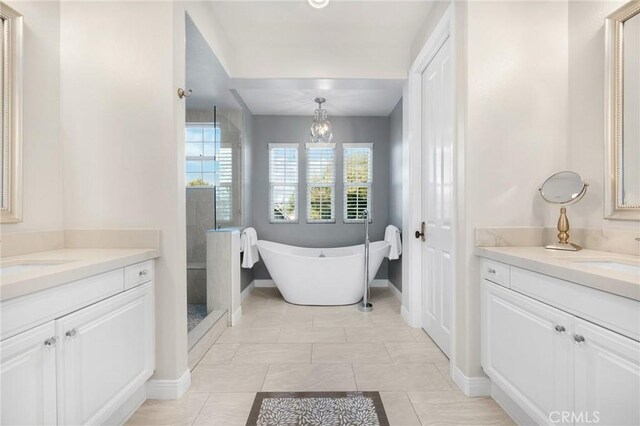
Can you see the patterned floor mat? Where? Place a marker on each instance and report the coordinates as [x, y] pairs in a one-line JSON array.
[[317, 408]]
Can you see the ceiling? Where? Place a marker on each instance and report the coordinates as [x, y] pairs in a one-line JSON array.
[[288, 31], [295, 23], [372, 101]]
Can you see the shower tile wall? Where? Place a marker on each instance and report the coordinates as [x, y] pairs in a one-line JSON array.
[[199, 220]]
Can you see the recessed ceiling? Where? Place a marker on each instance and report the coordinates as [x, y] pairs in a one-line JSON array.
[[340, 102], [383, 24]]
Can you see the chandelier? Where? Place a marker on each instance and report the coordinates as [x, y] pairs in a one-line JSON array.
[[321, 127]]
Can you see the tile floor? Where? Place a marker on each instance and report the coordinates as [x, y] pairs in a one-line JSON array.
[[283, 347]]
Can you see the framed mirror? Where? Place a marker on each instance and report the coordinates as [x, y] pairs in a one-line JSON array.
[[622, 121], [11, 99]]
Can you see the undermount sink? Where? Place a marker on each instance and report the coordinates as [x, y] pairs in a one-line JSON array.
[[612, 265], [19, 268]]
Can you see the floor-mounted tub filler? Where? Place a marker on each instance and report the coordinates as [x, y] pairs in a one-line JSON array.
[[321, 276]]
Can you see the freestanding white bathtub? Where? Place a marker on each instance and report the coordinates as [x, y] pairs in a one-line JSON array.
[[327, 276]]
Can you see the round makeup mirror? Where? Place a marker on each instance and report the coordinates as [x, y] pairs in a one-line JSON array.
[[563, 188]]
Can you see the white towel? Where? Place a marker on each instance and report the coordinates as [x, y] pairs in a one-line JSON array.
[[248, 246], [392, 236]]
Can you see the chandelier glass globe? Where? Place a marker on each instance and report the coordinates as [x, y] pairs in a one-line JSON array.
[[321, 127]]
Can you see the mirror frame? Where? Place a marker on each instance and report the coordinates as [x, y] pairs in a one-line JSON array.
[[614, 204], [12, 38], [581, 194]]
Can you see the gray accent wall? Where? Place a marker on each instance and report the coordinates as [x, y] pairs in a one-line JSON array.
[[288, 129], [395, 186]]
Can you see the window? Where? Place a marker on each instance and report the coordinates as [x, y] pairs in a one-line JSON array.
[[200, 152], [283, 183], [357, 177], [205, 168], [321, 183]]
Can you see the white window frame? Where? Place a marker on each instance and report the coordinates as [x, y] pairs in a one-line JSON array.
[[236, 168], [332, 184], [346, 184], [296, 186], [199, 158]]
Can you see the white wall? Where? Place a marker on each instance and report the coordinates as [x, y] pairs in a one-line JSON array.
[[585, 153], [123, 159], [516, 132], [42, 155]]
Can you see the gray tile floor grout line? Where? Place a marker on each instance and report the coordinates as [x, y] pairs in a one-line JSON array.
[[355, 380], [413, 408], [195, 418]]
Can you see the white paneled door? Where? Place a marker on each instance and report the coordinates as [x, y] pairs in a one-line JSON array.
[[437, 197]]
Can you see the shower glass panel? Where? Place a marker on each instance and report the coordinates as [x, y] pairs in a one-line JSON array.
[[213, 195]]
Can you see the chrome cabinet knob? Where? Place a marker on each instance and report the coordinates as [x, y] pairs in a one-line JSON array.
[[142, 273], [71, 333], [491, 271], [560, 328], [578, 338], [51, 341]]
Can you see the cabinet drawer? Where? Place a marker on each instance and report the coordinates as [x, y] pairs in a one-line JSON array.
[[25, 312], [495, 272], [137, 274]]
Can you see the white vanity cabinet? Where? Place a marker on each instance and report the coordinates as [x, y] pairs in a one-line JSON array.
[[526, 350], [82, 366], [607, 375], [28, 377], [549, 360], [105, 353]]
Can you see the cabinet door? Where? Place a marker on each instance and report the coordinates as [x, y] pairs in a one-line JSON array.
[[106, 353], [527, 350], [607, 376], [28, 377]]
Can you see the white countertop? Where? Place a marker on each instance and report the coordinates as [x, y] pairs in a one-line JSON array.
[[566, 266], [66, 265]]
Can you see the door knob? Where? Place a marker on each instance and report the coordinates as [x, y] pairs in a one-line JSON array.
[[51, 341], [420, 234], [71, 333], [578, 338]]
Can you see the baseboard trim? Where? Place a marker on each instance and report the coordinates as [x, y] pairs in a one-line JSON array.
[[169, 389], [406, 316], [264, 283], [247, 291], [472, 386], [126, 410], [517, 414], [397, 293], [379, 283], [235, 317]]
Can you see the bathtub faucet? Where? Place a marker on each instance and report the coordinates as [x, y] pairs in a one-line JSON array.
[[365, 306]]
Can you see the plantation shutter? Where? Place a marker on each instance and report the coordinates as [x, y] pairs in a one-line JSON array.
[[283, 182], [358, 179], [321, 183], [224, 191]]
